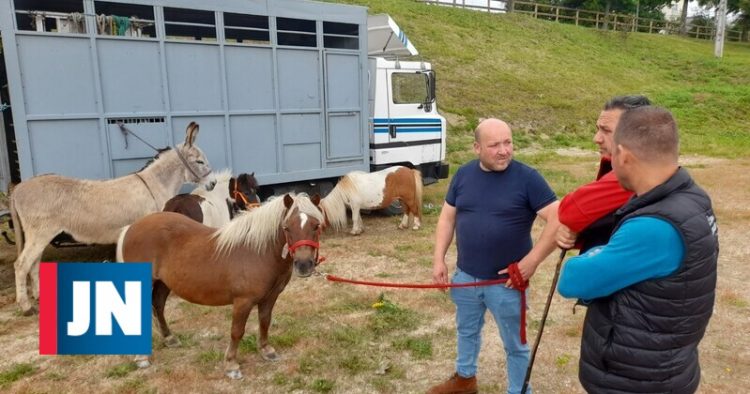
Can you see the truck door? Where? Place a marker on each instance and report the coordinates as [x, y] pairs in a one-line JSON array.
[[414, 126]]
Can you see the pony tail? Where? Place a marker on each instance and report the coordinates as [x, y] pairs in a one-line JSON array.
[[418, 191], [120, 241], [334, 204]]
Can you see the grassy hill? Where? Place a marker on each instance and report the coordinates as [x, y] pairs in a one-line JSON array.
[[550, 80]]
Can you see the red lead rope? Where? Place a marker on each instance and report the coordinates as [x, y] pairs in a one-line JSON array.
[[513, 272]]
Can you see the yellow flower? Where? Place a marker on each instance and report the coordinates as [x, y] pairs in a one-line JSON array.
[[378, 305]]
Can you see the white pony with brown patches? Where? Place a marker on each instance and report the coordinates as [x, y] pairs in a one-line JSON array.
[[92, 211], [376, 190], [216, 203]]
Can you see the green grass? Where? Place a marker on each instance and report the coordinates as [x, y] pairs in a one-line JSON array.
[[562, 360], [14, 373], [355, 363], [121, 370], [550, 80], [248, 344], [390, 317], [210, 357], [322, 385], [420, 348]]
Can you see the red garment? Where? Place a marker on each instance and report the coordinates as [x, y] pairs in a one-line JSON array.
[[590, 202]]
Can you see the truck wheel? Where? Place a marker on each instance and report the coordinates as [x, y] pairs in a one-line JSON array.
[[392, 210]]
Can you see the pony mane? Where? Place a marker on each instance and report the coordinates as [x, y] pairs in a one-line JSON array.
[[259, 229], [223, 176], [334, 204], [216, 178]]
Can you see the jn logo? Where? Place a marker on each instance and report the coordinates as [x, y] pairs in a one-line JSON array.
[[89, 308]]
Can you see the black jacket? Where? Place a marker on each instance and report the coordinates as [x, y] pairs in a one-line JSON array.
[[644, 338]]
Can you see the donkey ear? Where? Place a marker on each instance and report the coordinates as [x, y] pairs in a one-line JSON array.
[[288, 201], [315, 199], [191, 133]]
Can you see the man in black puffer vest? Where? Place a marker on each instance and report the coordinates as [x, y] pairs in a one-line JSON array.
[[652, 287]]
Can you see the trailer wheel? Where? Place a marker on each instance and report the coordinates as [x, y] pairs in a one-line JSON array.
[[394, 209]]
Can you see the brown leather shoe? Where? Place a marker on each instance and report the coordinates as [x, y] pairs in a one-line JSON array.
[[456, 385]]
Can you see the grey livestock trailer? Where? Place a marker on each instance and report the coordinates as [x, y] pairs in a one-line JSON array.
[[278, 87]]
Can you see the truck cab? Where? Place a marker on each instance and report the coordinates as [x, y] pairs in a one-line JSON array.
[[405, 126]]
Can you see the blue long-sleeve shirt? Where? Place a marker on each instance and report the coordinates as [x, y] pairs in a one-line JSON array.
[[642, 248]]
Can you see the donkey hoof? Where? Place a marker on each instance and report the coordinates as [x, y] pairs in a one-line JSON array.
[[142, 362], [31, 311], [234, 374], [172, 342]]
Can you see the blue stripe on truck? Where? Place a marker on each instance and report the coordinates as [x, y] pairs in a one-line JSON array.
[[379, 121], [411, 130]]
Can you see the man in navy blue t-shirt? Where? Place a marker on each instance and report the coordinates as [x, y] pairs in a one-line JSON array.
[[491, 205]]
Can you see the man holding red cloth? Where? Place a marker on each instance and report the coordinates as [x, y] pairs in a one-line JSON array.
[[587, 214]]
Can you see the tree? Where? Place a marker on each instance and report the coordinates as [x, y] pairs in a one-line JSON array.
[[739, 7], [646, 8], [683, 17], [742, 23]]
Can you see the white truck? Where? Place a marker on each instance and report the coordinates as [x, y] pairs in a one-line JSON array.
[[406, 127]]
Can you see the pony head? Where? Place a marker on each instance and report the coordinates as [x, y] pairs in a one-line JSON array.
[[302, 228], [195, 164], [244, 191]]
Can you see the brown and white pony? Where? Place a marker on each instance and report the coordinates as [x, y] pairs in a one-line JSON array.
[[246, 263], [376, 190], [93, 211], [216, 203]]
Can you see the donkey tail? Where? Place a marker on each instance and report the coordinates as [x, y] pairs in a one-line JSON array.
[[120, 241], [17, 227], [418, 191]]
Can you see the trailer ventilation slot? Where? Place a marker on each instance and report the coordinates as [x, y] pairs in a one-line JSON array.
[[157, 119]]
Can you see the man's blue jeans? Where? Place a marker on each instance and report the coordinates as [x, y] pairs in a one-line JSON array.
[[505, 306]]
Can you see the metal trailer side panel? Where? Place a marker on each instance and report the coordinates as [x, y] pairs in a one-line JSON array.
[[287, 113]]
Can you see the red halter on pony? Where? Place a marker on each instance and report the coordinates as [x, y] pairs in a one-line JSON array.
[[307, 242]]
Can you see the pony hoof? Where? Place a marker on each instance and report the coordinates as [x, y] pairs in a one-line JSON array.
[[234, 374], [415, 228], [172, 342], [270, 355], [402, 227], [356, 232], [29, 312]]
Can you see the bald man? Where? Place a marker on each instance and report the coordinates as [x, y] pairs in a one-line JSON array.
[[652, 285], [491, 205]]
